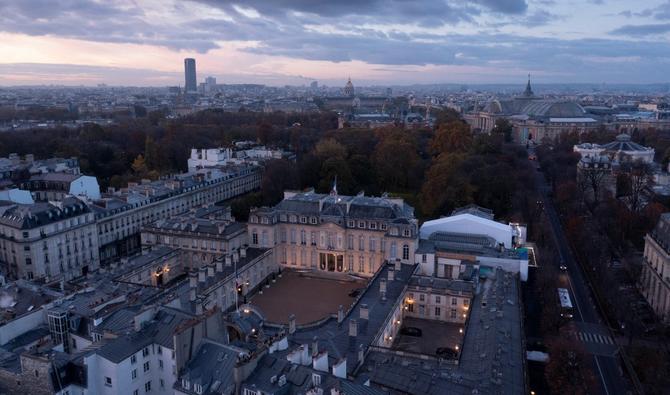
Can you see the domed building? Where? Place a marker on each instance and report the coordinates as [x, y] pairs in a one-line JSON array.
[[623, 149], [533, 118]]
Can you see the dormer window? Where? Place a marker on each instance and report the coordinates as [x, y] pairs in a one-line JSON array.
[[406, 233], [253, 219], [312, 220], [351, 223], [361, 224], [303, 219], [186, 384]]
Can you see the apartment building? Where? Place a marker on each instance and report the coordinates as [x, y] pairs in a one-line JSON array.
[[48, 240], [655, 276]]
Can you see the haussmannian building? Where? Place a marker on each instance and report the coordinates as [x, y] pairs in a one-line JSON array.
[[48, 240], [334, 233], [655, 276]]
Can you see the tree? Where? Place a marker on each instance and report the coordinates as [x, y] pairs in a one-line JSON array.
[[567, 371], [445, 186], [330, 148], [278, 175], [454, 136], [395, 158], [504, 128], [139, 165]]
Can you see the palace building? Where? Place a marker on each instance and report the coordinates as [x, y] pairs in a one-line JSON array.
[[334, 233]]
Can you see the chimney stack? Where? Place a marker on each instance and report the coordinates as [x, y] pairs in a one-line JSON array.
[[243, 251], [391, 275], [382, 288], [353, 328], [291, 324], [364, 312], [210, 270], [193, 278], [340, 314], [315, 346], [229, 260], [397, 265], [202, 273], [219, 265]]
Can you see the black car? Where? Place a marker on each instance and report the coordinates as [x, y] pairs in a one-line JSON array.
[[446, 353], [411, 331]]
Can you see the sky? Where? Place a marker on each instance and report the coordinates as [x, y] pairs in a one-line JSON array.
[[385, 42]]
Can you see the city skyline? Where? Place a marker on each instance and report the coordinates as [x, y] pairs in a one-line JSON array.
[[143, 43]]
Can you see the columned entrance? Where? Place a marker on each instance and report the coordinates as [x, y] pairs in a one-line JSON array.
[[331, 262]]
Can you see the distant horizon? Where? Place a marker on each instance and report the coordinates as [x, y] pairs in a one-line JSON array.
[[290, 42]]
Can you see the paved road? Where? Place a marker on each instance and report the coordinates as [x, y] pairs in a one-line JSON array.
[[587, 317]]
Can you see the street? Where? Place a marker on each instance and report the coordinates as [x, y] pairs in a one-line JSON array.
[[592, 332]]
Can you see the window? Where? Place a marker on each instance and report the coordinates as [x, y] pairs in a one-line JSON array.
[[438, 300], [383, 226], [361, 243], [133, 374], [108, 381], [162, 383], [147, 386], [466, 302], [247, 391], [405, 252], [303, 220], [312, 220], [454, 301], [361, 224], [145, 351], [422, 297], [424, 258], [146, 366], [453, 313], [361, 264], [25, 235], [406, 233], [373, 225], [160, 350], [350, 223], [160, 364], [254, 238], [197, 388], [136, 392], [437, 312], [393, 250]]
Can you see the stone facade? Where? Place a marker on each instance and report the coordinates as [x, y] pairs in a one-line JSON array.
[[655, 276], [331, 233]]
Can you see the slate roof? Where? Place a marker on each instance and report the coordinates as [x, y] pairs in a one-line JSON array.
[[661, 232], [299, 379], [364, 207], [335, 338], [28, 216], [212, 368], [492, 358], [160, 331]]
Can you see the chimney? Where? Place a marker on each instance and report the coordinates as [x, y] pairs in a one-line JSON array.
[[210, 270], [361, 354], [320, 362], [193, 293], [236, 256], [193, 278], [198, 306], [397, 265], [243, 251], [391, 275], [353, 328], [364, 312], [382, 288], [315, 346], [305, 358], [294, 356], [340, 368], [340, 314], [229, 260], [291, 324], [202, 274], [219, 265]]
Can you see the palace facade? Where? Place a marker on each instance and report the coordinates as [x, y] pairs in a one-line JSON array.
[[334, 233]]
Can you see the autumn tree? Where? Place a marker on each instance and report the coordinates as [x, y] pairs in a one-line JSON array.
[[454, 136], [139, 165], [568, 371]]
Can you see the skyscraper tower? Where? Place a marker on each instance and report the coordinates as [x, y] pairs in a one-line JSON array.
[[190, 84]]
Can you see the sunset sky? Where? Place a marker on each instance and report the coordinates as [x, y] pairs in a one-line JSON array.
[[143, 42]]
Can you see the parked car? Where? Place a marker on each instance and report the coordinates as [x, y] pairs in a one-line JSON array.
[[411, 331], [446, 353]]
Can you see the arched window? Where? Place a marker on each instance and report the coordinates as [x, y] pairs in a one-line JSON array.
[[394, 252]]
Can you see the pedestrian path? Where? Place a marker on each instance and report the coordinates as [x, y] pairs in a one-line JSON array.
[[588, 337]]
